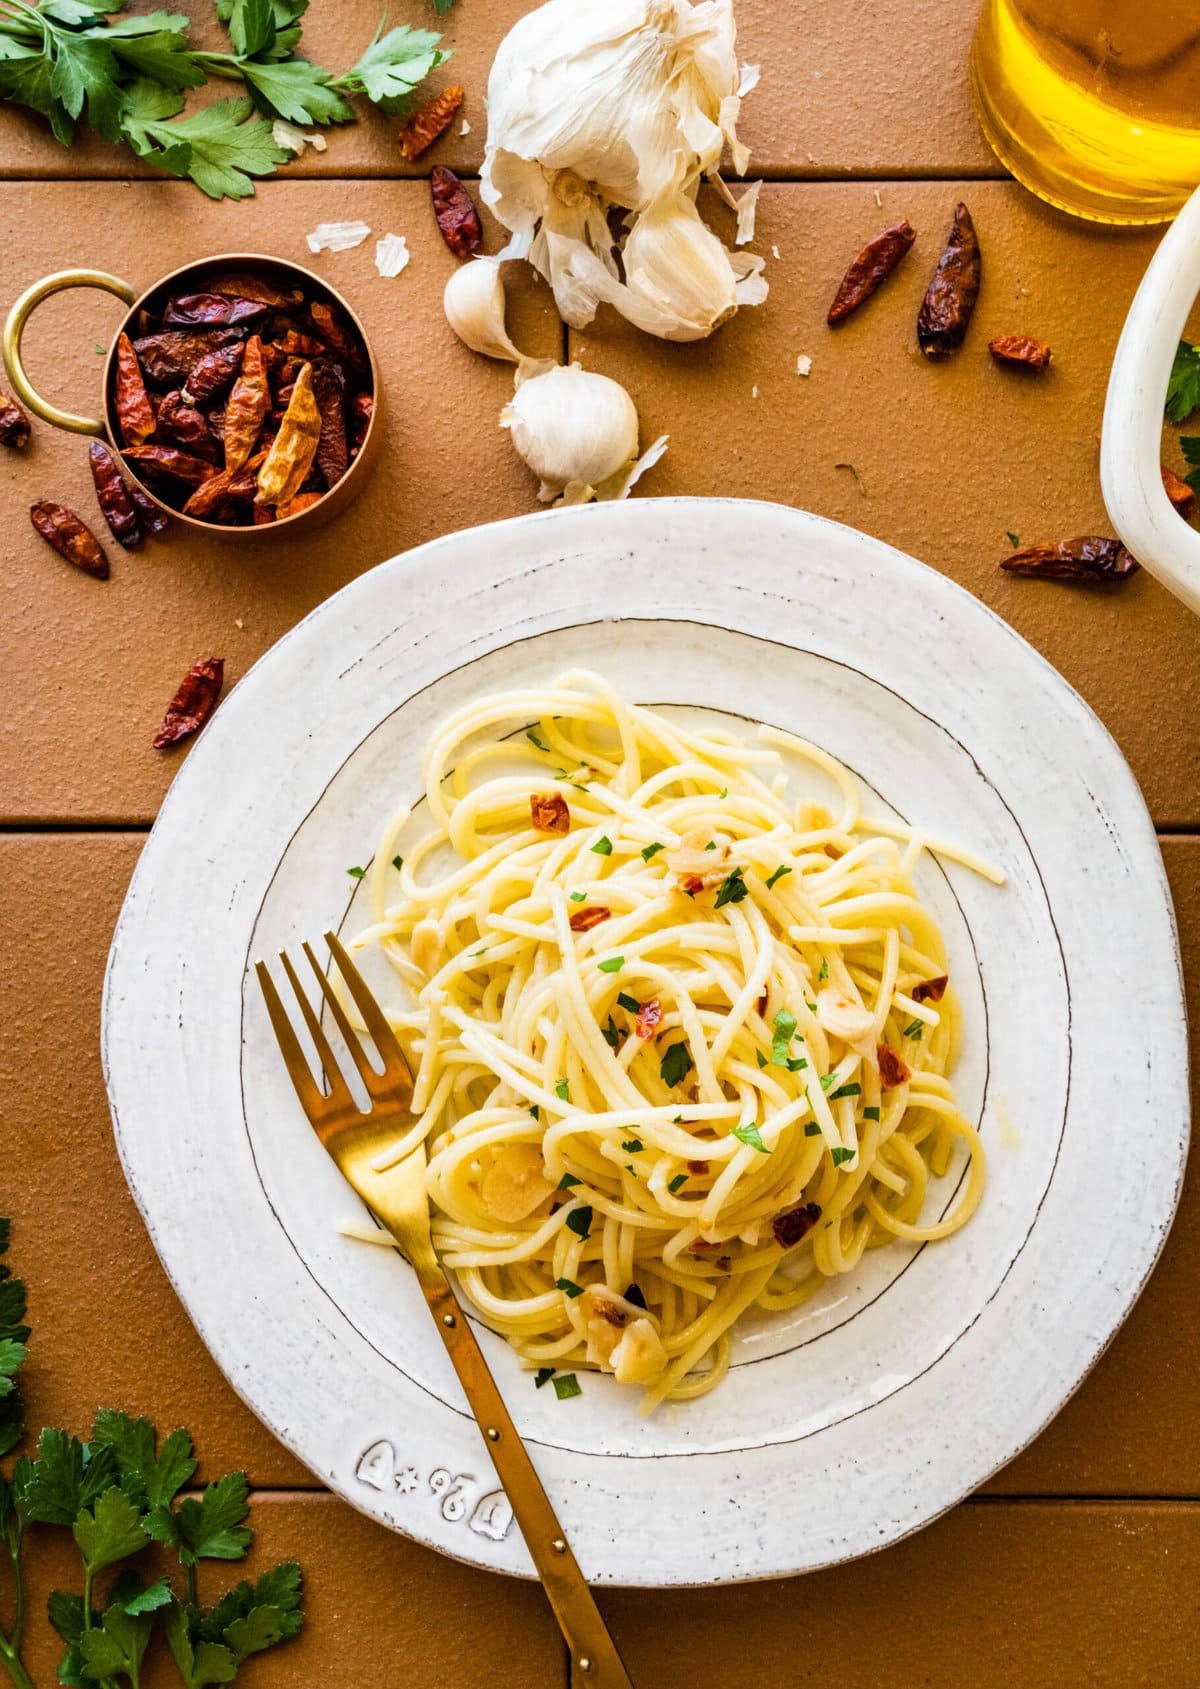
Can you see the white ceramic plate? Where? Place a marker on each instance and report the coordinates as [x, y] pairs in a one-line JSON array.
[[865, 1414]]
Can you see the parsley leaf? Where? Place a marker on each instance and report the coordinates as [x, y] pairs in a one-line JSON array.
[[913, 1030], [543, 1375], [65, 1478], [633, 1294], [568, 1287], [784, 1031], [1190, 444], [534, 740], [870, 1114], [220, 147], [674, 1184], [112, 1531], [625, 1001], [812, 1130], [652, 850], [632, 1146], [118, 1646], [612, 1034], [199, 1663], [536, 1112], [760, 1058], [356, 873], [733, 889], [563, 1090], [567, 1385], [208, 1529], [711, 845], [567, 1180], [295, 90], [824, 973], [579, 897], [1012, 539], [752, 1136], [840, 1155], [579, 1221], [852, 1090], [392, 66], [778, 875], [13, 1333], [1183, 388], [397, 863], [676, 1064], [613, 965], [603, 845]]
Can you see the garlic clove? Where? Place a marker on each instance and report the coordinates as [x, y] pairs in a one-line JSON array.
[[843, 1016], [640, 1355], [426, 946], [474, 305], [516, 1183]]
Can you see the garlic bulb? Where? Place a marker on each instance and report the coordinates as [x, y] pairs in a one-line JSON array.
[[601, 103], [578, 432]]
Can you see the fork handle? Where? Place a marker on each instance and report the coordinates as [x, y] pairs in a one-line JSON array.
[[593, 1651]]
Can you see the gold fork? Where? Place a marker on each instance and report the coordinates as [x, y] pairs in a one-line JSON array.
[[398, 1198]]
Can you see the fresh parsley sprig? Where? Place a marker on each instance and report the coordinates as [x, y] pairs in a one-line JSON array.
[[1183, 388]]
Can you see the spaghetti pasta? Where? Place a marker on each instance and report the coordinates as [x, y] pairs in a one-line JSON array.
[[680, 1043]]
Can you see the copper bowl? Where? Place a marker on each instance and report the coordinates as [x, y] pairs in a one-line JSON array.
[[189, 278]]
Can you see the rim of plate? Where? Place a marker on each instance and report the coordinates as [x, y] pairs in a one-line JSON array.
[[759, 1512]]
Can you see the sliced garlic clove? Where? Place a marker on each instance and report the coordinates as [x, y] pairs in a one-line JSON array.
[[843, 1016], [640, 1355], [426, 946], [516, 1183]]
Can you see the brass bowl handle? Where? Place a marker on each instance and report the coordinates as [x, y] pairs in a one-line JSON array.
[[14, 328]]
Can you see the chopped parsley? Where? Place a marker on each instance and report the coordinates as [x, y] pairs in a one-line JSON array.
[[828, 1079], [397, 863], [914, 1030], [567, 1180], [612, 1034], [752, 1136], [579, 1221], [356, 873], [724, 794], [579, 897], [536, 1112], [563, 1090], [543, 1375], [100, 351], [566, 779], [480, 951], [629, 1168], [674, 1184], [854, 1089], [633, 1294], [652, 850], [870, 1114], [778, 875], [795, 1063], [534, 740], [812, 1130], [785, 1030], [603, 845], [632, 1146], [842, 1155], [568, 1287], [566, 1385], [824, 973], [625, 1001], [760, 1058], [613, 965], [711, 845], [676, 1065], [1013, 539], [733, 889]]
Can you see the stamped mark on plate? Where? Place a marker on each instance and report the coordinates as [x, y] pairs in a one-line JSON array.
[[458, 1495]]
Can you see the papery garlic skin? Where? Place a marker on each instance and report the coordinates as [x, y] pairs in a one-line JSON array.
[[578, 432], [601, 103]]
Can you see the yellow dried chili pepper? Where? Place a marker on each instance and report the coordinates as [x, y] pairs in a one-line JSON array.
[[247, 405], [291, 455]]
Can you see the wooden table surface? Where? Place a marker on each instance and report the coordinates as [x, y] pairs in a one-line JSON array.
[[1080, 1562]]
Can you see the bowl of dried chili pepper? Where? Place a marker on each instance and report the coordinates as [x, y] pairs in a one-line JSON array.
[[240, 392]]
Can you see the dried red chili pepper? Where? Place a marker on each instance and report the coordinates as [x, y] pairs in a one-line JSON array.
[[113, 497], [455, 211], [216, 425], [285, 472], [430, 121], [187, 426], [154, 517], [930, 990], [1089, 557], [362, 409], [213, 373], [789, 1228], [953, 289], [302, 501], [646, 1021], [893, 1069], [135, 413], [70, 537], [591, 915], [171, 462], [262, 514], [236, 485], [14, 424], [247, 406], [239, 285], [306, 347], [336, 335], [193, 703], [1020, 349], [873, 265], [329, 385], [1178, 491], [217, 309], [549, 813], [167, 358]]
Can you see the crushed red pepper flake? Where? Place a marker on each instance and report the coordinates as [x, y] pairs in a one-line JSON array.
[[549, 813], [583, 920], [647, 1019], [789, 1228], [193, 703], [697, 1167], [1020, 349], [1178, 491], [930, 990], [893, 1069], [428, 122]]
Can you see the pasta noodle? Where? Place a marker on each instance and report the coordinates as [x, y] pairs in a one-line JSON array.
[[680, 1042]]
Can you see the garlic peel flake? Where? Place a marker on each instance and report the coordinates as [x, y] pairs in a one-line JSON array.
[[288, 135], [391, 255], [337, 237]]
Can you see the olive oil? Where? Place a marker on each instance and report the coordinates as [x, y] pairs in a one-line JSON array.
[[1094, 104]]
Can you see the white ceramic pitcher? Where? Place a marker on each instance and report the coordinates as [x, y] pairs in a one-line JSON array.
[[1131, 445]]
